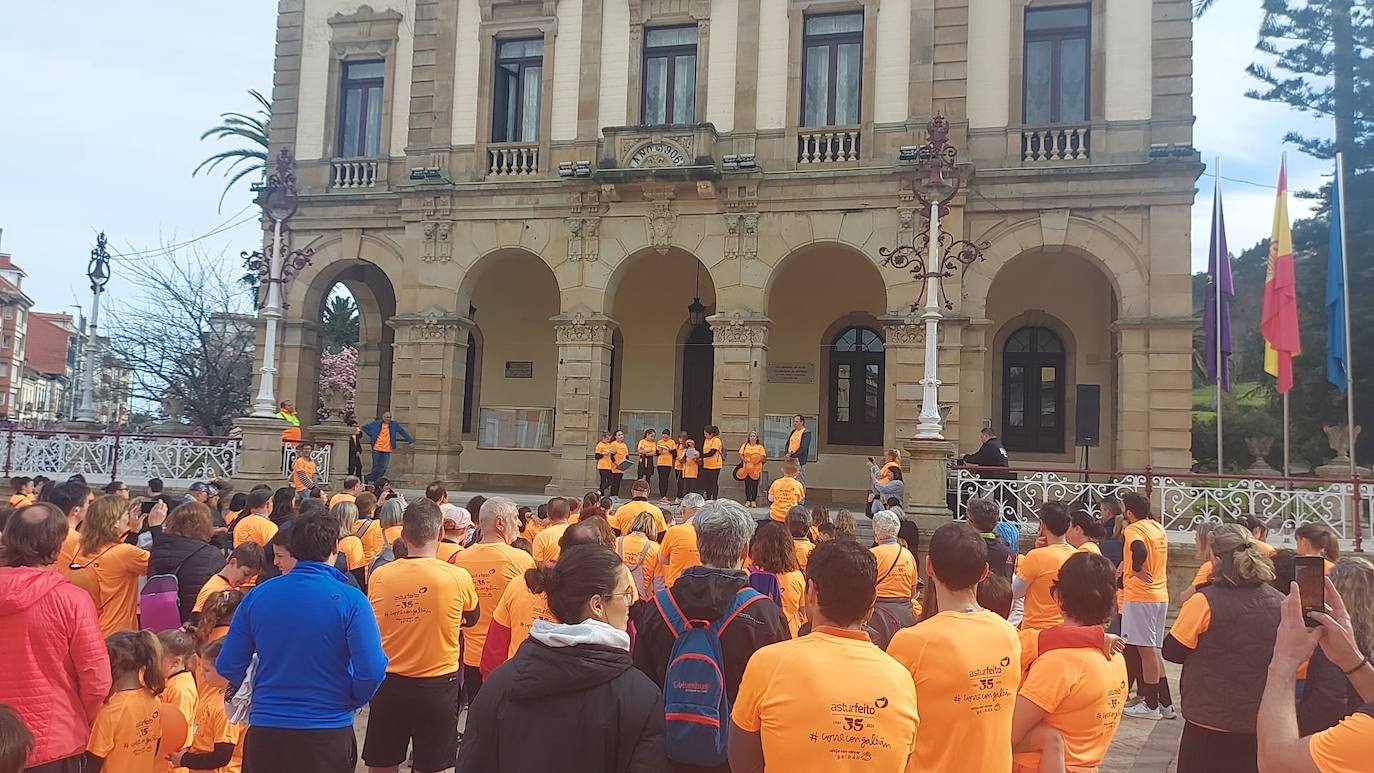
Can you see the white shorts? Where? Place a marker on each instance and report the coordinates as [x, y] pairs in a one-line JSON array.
[[1142, 623]]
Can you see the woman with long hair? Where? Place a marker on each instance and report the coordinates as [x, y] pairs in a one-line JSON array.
[[182, 548], [712, 460], [771, 550], [1328, 697], [1224, 637], [578, 667], [106, 566], [646, 449], [1315, 539], [283, 505]]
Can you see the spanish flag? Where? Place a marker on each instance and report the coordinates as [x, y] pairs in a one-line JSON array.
[[1279, 318]]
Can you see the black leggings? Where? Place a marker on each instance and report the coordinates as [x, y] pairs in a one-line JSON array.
[[710, 483], [646, 468], [663, 474], [1211, 751], [603, 485], [616, 478], [751, 489], [685, 486]]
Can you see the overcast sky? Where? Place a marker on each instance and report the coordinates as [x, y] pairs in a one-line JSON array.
[[99, 129]]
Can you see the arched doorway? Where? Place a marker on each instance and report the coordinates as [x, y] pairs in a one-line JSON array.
[[855, 413], [1033, 377], [698, 377], [347, 305]]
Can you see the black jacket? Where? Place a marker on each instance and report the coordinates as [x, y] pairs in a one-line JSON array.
[[990, 454], [1327, 698], [579, 709], [198, 562], [1000, 559]]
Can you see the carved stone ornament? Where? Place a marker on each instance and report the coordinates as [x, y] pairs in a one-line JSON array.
[[904, 334], [438, 244], [742, 235], [432, 325], [737, 330], [580, 329], [657, 155], [662, 218], [584, 226]]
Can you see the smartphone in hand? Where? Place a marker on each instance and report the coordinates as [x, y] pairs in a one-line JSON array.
[[1310, 574]]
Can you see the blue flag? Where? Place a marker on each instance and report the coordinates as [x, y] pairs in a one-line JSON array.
[[1218, 270], [1335, 296]]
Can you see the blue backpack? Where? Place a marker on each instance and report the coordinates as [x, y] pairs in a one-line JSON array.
[[695, 706], [767, 584]]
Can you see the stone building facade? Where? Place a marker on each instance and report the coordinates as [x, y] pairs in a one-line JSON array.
[[530, 198]]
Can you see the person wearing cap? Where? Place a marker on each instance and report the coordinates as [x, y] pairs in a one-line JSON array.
[[456, 521], [639, 503], [198, 492]]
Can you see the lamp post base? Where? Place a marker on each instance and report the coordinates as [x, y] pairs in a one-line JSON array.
[[926, 480]]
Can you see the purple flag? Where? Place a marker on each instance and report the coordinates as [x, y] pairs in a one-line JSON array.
[[1218, 270]]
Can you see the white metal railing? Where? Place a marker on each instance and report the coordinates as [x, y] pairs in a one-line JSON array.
[[1181, 504], [1056, 143], [513, 159], [320, 457], [177, 460], [354, 173], [828, 144]]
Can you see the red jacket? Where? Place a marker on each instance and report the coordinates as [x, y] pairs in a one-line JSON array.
[[56, 669]]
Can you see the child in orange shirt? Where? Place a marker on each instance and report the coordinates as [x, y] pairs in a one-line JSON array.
[[215, 742], [128, 728]]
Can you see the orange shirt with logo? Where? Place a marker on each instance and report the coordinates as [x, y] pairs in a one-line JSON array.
[[419, 603], [493, 566], [117, 571], [255, 528], [518, 608], [966, 668], [1039, 569], [302, 468], [545, 547], [665, 448], [678, 553], [128, 731], [716, 461], [212, 726], [1148, 532], [785, 493], [1082, 695], [896, 571], [828, 702]]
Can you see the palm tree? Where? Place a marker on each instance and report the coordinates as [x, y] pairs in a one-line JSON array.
[[246, 160]]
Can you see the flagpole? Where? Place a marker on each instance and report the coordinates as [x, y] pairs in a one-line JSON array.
[[1286, 466], [1345, 291], [1216, 301]]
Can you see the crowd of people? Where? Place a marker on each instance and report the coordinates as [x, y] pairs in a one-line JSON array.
[[244, 631]]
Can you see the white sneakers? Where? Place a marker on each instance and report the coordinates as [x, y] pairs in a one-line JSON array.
[[1140, 711]]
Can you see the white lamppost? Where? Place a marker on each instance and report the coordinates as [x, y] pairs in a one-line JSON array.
[[98, 271], [279, 204], [927, 263]]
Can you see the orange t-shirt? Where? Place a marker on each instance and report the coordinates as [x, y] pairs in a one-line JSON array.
[[212, 726], [646, 447], [1039, 569], [1265, 548], [794, 441], [1090, 547], [533, 527], [447, 550], [342, 496], [803, 547], [1204, 573], [545, 546], [665, 447], [691, 465], [885, 472], [383, 441], [828, 702], [620, 452], [753, 455], [255, 528], [419, 603], [626, 514], [493, 566], [20, 500], [351, 548], [896, 571], [1194, 618], [302, 468], [607, 460], [1148, 532], [518, 608], [181, 692], [793, 585], [215, 584], [65, 554], [966, 669], [371, 539], [128, 731], [678, 552], [390, 534], [785, 494], [1082, 695], [712, 462], [117, 570], [1346, 747]]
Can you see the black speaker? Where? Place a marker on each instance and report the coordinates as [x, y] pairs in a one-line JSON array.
[[1088, 431]]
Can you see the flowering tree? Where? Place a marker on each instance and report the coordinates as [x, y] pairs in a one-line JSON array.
[[338, 382]]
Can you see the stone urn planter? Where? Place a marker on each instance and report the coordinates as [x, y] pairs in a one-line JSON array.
[[1259, 448], [1336, 438]]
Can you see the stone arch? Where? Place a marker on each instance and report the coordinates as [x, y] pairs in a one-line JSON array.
[[483, 264], [812, 254], [1108, 248]]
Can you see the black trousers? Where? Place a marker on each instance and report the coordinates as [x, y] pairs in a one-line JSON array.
[[663, 474], [616, 478], [751, 489], [646, 468], [603, 486], [277, 750], [73, 764], [355, 465], [710, 484], [1211, 751], [472, 682]]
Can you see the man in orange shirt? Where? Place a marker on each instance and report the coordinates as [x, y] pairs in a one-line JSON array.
[[785, 492], [493, 564], [1145, 603], [545, 548], [256, 525], [71, 498], [384, 434], [626, 514], [352, 487], [964, 661], [816, 704], [1037, 572], [303, 470], [420, 603], [678, 551]]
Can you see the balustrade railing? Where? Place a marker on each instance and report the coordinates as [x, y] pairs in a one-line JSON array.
[[320, 456], [513, 160], [828, 145], [176, 459], [353, 173], [1056, 143]]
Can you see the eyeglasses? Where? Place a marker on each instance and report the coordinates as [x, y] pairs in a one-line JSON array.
[[628, 593]]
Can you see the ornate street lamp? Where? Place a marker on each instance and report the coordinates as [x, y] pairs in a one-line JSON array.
[[279, 201], [933, 256], [696, 311], [98, 271]]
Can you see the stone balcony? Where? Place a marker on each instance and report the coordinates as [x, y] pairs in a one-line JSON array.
[[681, 152]]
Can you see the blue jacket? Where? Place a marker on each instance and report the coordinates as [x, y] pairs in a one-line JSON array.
[[319, 651], [374, 428]]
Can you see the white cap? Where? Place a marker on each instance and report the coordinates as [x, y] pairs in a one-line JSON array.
[[458, 516]]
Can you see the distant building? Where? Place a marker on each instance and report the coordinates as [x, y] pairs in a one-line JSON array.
[[49, 382], [14, 313]]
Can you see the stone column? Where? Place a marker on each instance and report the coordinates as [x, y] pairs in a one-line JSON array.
[[925, 481], [741, 351], [904, 341], [428, 375], [584, 393], [1133, 397], [259, 452], [334, 434], [367, 395]]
